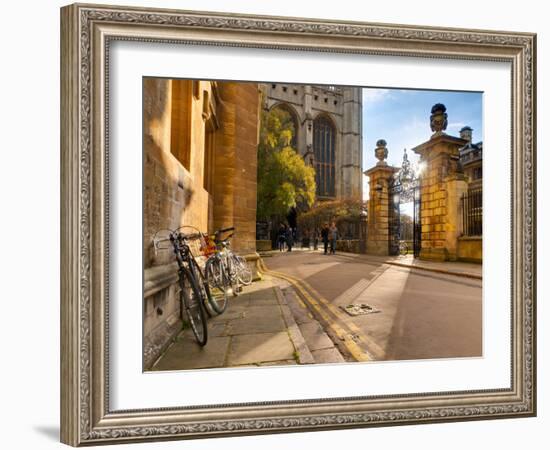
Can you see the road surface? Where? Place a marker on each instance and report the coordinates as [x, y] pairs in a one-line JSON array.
[[422, 314]]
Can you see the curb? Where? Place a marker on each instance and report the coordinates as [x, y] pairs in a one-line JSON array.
[[296, 336], [413, 267], [432, 269]]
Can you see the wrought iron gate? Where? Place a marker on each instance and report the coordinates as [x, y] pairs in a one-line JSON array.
[[404, 188]]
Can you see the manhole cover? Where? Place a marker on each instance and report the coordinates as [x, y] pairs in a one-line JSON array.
[[359, 309]]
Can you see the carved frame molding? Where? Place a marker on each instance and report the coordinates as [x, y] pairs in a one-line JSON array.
[[86, 32]]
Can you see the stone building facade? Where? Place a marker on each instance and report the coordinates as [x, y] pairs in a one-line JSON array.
[[471, 159], [200, 143], [328, 125], [470, 244]]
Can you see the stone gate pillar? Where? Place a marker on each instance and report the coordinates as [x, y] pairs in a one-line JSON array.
[[442, 185], [378, 207]]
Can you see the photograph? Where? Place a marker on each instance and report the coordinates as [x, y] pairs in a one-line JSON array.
[[303, 224]]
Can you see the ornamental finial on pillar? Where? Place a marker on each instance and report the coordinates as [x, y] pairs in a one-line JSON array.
[[438, 119], [381, 152]]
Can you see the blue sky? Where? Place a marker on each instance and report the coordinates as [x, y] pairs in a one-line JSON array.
[[402, 118]]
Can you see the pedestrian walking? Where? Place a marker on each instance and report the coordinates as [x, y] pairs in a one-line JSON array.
[[333, 238], [324, 236], [289, 239], [281, 237]]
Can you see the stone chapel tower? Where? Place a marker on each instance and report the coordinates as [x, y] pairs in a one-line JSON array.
[[328, 124]]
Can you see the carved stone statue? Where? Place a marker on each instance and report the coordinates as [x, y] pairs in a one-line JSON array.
[[438, 119], [381, 152]]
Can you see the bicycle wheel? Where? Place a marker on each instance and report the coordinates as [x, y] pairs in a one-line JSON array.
[[218, 285], [204, 289], [232, 275], [191, 300], [403, 249], [243, 270]]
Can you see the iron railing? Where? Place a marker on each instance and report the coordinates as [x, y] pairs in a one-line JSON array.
[[472, 212]]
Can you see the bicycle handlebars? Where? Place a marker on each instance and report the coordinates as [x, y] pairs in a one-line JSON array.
[[175, 234], [224, 230], [189, 236]]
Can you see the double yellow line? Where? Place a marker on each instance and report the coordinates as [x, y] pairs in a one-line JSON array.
[[329, 314]]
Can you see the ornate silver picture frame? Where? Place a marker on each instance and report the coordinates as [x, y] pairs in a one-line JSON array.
[[87, 32]]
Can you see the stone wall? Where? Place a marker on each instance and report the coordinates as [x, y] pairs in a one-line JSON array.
[[236, 163], [470, 249], [176, 192]]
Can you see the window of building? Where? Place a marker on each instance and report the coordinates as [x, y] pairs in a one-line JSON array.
[[478, 173], [209, 144], [324, 146], [180, 141]]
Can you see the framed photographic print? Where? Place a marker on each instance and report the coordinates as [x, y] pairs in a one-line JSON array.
[[279, 224]]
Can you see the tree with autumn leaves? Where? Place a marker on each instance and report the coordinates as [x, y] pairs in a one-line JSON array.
[[284, 179]]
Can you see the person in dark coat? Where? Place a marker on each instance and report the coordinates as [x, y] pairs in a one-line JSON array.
[[289, 238], [324, 236], [281, 237]]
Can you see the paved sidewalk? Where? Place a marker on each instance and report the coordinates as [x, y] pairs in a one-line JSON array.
[[257, 329], [463, 269]]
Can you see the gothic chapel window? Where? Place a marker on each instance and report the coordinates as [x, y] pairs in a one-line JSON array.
[[324, 140]]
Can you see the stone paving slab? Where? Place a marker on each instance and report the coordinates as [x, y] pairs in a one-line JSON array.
[[327, 356], [286, 362], [237, 312], [257, 324], [217, 329], [263, 301], [299, 310], [315, 336], [260, 348], [263, 311], [184, 353]]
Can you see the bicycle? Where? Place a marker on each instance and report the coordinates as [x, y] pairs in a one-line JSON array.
[[216, 272], [234, 266], [196, 297]]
